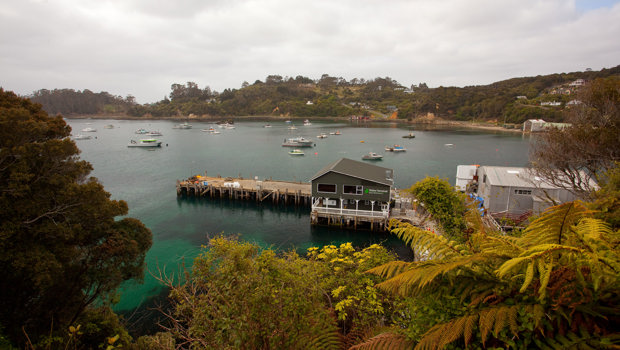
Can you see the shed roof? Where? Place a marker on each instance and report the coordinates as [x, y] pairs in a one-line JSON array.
[[359, 170], [513, 177], [521, 177]]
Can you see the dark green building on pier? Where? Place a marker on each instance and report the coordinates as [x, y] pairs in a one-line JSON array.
[[351, 193]]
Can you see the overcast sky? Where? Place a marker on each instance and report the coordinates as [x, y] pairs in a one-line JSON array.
[[142, 47]]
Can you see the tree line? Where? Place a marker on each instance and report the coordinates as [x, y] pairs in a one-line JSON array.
[[336, 97]]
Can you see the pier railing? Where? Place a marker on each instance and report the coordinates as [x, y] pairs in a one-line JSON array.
[[352, 212]]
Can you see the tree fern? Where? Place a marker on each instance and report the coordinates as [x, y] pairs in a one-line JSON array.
[[561, 274]]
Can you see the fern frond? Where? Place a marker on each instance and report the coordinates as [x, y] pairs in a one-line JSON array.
[[330, 338], [423, 274], [387, 340], [497, 318], [443, 334], [595, 229], [431, 244], [540, 256], [501, 245], [390, 269], [553, 226], [487, 320], [324, 337]]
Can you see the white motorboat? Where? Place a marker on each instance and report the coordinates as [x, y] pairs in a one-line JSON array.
[[322, 136], [226, 125], [145, 143], [89, 130], [109, 126], [141, 131], [82, 137], [154, 133], [307, 122], [372, 156], [296, 152]]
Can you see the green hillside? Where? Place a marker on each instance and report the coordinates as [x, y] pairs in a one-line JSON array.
[[508, 101]]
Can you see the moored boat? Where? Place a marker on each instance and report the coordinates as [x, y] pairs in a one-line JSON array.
[[395, 148], [141, 131], [82, 137], [211, 130], [154, 133], [185, 125], [89, 130], [297, 142], [372, 156], [145, 143], [307, 122], [409, 136], [322, 136], [296, 152]]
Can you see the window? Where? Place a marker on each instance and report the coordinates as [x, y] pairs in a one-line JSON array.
[[351, 189], [327, 188], [527, 192]]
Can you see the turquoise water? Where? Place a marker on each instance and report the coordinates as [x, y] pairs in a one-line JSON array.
[[146, 179]]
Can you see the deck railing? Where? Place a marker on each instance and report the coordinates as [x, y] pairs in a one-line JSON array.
[[352, 212]]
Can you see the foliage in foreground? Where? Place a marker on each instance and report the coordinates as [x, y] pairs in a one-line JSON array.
[[445, 204], [239, 296], [61, 247], [556, 286]]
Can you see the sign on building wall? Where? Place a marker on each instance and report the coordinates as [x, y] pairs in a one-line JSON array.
[[375, 191]]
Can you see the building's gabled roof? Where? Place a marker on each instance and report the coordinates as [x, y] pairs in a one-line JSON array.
[[520, 177], [359, 170]]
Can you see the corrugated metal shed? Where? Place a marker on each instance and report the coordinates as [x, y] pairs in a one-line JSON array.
[[359, 170], [513, 177]]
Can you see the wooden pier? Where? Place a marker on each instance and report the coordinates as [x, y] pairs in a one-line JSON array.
[[277, 192]]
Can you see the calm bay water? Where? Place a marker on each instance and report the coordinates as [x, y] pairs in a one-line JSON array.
[[146, 179]]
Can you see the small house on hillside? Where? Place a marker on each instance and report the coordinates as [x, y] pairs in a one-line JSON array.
[[348, 192], [578, 82]]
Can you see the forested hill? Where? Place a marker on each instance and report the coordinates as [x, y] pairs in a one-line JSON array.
[[510, 101]]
